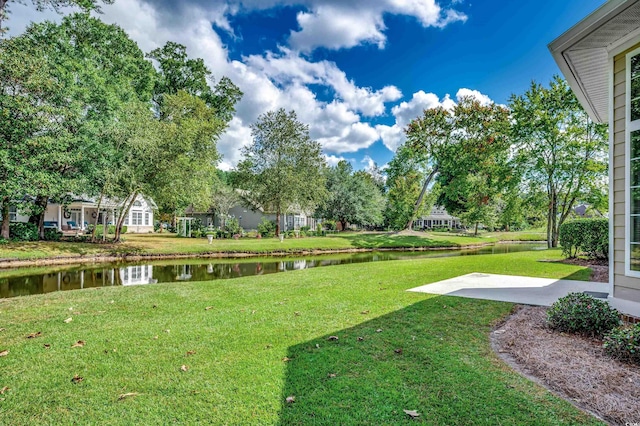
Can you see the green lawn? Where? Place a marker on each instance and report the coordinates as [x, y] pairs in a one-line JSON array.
[[265, 339], [167, 244]]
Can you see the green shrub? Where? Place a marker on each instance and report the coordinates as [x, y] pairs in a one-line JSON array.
[[330, 225], [624, 343], [267, 228], [585, 236], [319, 229], [584, 314], [52, 234], [20, 231]]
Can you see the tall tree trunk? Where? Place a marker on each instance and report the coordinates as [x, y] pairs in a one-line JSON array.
[[126, 206], [278, 222], [37, 219], [475, 232], [416, 208], [4, 232], [554, 220], [95, 222], [343, 223]]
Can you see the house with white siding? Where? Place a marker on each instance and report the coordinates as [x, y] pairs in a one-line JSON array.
[[83, 211], [437, 218]]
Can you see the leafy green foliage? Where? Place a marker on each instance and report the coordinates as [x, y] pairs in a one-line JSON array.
[[52, 234], [624, 343], [584, 314], [20, 231], [468, 148], [405, 175], [586, 236], [267, 228], [283, 166], [561, 152], [351, 197]]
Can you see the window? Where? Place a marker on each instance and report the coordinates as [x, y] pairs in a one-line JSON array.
[[633, 163], [137, 204], [136, 218], [146, 219], [13, 214]]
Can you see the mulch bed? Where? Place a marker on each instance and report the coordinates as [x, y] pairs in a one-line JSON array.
[[573, 367]]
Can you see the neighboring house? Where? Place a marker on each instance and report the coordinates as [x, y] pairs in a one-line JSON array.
[[438, 218], [250, 218], [82, 211], [600, 58]]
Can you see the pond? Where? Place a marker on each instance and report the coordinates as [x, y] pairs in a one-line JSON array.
[[27, 281]]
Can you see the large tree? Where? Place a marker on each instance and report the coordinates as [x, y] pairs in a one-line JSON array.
[[561, 151], [193, 181], [468, 149], [351, 197], [94, 69], [283, 166]]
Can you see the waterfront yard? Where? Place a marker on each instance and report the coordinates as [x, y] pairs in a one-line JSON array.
[[170, 244], [233, 351]]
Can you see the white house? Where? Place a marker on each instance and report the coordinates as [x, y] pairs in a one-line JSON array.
[[83, 211], [438, 218]]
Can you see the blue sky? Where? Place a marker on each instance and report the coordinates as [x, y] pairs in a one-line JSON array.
[[356, 71]]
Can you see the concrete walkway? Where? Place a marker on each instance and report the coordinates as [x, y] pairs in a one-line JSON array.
[[510, 288]]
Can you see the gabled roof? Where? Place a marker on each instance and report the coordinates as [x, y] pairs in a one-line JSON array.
[[582, 53]]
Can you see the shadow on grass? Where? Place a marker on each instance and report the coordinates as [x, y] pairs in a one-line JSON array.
[[433, 357], [393, 240]]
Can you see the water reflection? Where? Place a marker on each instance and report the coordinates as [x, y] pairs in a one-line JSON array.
[[122, 274]]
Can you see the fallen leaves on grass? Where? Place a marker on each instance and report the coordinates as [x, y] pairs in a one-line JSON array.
[[333, 338], [331, 375], [127, 395], [4, 353], [34, 335], [291, 399], [296, 313], [412, 413], [398, 351], [360, 339], [189, 353], [379, 330], [286, 359], [364, 312], [184, 368], [4, 389], [78, 344], [76, 379], [208, 308], [68, 320], [167, 331], [2, 329], [47, 346]]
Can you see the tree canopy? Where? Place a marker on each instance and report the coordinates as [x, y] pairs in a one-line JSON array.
[[352, 198], [283, 166], [561, 152]]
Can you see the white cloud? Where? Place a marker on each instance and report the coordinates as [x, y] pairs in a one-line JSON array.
[[368, 162], [345, 24], [465, 93], [336, 27], [333, 160]]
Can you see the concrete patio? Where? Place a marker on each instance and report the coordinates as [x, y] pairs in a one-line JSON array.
[[524, 290]]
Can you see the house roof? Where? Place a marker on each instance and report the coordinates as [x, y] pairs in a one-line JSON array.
[[583, 52]]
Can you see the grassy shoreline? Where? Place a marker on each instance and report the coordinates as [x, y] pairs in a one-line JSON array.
[[159, 246], [266, 338]]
